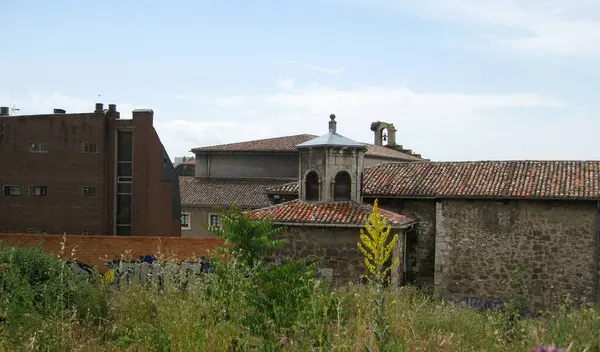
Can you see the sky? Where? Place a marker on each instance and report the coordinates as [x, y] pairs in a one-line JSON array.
[[459, 79]]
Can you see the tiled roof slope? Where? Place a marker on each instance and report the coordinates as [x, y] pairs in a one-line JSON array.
[[346, 213], [277, 144], [288, 144], [245, 193], [381, 151], [286, 188], [487, 179]]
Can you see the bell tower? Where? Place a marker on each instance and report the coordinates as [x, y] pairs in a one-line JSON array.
[[331, 167]]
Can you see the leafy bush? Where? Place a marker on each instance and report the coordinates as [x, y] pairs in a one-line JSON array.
[[248, 240]]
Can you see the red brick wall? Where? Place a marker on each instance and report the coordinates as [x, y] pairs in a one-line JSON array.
[[64, 170], [93, 250]]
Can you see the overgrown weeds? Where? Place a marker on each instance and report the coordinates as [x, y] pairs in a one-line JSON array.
[[248, 304]]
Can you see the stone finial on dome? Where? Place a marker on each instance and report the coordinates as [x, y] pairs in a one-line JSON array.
[[332, 123]]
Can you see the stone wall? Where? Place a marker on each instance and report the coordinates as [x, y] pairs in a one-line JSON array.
[[421, 241], [480, 242], [337, 248]]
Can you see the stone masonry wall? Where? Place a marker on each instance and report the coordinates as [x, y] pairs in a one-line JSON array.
[[336, 248], [421, 243], [480, 242]]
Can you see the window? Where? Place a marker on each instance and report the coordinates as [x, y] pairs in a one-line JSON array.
[[38, 147], [12, 190], [124, 206], [342, 186], [215, 220], [312, 186], [90, 147], [185, 221], [89, 191], [37, 190], [125, 146]]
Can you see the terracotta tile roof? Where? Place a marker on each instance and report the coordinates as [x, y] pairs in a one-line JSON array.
[[246, 193], [487, 179], [288, 144], [381, 151], [277, 144], [347, 213]]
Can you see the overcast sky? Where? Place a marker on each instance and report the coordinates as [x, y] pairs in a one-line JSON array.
[[460, 79]]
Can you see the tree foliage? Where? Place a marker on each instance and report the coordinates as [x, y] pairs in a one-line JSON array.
[[247, 239]]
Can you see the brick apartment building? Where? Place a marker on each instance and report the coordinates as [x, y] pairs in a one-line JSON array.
[[86, 173]]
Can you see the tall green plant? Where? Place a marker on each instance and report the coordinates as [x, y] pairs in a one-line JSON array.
[[377, 251], [247, 239], [375, 246]]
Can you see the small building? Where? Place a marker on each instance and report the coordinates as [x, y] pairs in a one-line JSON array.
[[240, 173], [86, 173], [185, 166], [466, 227]]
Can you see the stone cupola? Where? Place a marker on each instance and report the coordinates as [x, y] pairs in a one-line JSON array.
[[331, 167]]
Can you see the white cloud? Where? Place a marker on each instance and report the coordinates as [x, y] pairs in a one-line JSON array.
[[441, 126], [566, 27], [334, 71], [285, 83]]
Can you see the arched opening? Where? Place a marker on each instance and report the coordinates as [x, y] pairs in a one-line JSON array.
[[384, 136], [342, 187], [312, 186]]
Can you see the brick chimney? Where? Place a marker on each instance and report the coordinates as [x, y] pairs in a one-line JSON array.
[[146, 114], [112, 111]]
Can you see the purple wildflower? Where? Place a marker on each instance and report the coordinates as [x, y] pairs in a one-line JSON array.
[[547, 349]]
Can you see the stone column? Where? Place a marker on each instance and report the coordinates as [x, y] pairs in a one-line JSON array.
[[397, 273], [442, 252]]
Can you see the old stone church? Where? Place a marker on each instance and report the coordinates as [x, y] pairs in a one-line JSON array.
[[464, 226]]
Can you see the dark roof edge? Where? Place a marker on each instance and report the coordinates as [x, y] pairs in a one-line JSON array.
[[208, 151], [498, 198], [227, 206], [310, 224]]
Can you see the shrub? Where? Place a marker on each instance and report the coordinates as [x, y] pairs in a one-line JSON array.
[[249, 240]]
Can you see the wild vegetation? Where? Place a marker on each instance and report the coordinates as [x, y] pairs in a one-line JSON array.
[[246, 303]]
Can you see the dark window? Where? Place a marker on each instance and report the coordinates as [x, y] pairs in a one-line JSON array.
[[125, 146], [312, 186], [37, 190], [185, 220], [124, 188], [89, 191], [124, 169], [215, 220], [342, 186], [12, 190], [123, 230], [90, 148], [124, 206], [38, 147]]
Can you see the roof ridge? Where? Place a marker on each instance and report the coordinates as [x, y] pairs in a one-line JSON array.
[[256, 140]]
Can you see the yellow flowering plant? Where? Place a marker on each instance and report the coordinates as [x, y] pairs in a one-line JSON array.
[[375, 246]]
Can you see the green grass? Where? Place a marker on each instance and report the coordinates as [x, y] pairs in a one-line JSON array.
[[46, 308]]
